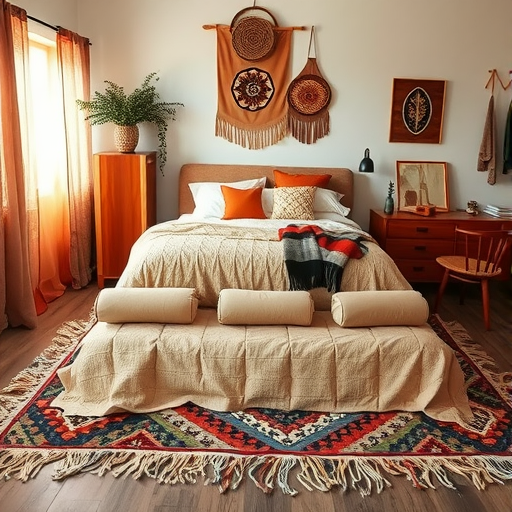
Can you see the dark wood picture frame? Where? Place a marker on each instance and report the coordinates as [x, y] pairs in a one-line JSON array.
[[417, 110], [422, 184]]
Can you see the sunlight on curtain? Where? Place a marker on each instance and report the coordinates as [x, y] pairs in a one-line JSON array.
[[45, 168], [46, 118], [74, 68], [16, 298]]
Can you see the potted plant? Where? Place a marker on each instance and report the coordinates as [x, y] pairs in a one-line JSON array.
[[127, 111]]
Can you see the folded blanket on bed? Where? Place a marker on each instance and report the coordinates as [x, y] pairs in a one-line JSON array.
[[321, 367], [315, 258]]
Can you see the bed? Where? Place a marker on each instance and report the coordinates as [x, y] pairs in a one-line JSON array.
[[143, 366], [211, 254]]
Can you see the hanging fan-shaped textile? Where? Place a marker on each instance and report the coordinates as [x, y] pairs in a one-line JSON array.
[[309, 94], [308, 97], [252, 33]]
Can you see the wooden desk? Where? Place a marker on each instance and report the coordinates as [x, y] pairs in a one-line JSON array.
[[414, 242]]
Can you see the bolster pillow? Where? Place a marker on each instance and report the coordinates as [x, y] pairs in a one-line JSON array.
[[384, 307], [255, 307], [158, 305]]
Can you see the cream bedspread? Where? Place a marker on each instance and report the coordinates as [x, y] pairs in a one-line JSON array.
[[324, 367], [214, 255]]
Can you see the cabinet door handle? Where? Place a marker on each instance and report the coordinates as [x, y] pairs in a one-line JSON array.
[[420, 248], [418, 269], [422, 230]]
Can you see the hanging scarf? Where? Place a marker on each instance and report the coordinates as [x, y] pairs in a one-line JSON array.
[[507, 143], [252, 107], [487, 153]]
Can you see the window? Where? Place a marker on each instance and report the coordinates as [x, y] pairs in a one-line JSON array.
[[45, 115]]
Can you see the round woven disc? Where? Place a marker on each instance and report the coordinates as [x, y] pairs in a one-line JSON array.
[[253, 38], [309, 94]]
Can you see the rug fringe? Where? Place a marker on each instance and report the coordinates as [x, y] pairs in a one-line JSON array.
[[22, 386], [364, 475], [502, 381]]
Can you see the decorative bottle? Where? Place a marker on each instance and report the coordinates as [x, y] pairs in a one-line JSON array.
[[389, 205]]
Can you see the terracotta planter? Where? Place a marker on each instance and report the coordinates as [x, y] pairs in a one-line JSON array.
[[126, 138]]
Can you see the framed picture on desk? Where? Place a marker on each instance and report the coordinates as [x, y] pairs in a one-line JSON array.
[[422, 184]]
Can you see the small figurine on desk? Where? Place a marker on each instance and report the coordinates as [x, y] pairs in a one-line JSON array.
[[472, 208]]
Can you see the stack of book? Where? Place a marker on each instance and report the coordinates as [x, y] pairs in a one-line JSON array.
[[504, 212]]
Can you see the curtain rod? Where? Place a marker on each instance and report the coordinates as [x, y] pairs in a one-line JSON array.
[[41, 22], [53, 27]]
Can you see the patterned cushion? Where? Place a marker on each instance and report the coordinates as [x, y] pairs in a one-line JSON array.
[[294, 203]]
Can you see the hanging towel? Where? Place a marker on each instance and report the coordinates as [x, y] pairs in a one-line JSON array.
[[507, 145], [487, 153]]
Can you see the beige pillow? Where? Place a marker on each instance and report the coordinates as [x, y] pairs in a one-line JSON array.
[[158, 305], [375, 308], [255, 307], [294, 203]]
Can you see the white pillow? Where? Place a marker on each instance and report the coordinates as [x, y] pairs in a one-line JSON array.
[[326, 202], [208, 198]]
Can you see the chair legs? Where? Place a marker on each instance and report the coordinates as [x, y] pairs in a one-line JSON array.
[[485, 297], [440, 292], [485, 303]]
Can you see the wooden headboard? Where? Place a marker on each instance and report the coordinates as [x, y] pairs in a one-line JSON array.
[[342, 180]]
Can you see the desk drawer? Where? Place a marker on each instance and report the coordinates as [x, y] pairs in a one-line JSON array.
[[421, 229], [416, 271], [418, 249]]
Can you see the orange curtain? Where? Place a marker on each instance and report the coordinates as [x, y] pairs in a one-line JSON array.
[[74, 68], [47, 209], [46, 182], [17, 305]]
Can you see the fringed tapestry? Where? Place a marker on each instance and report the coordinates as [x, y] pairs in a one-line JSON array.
[[252, 106], [309, 96]]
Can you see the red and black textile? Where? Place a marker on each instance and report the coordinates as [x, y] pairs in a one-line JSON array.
[[315, 258]]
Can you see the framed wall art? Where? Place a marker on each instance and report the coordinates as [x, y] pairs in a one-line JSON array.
[[422, 184], [417, 110]]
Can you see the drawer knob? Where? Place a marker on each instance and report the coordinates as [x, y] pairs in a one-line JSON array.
[[420, 248], [418, 269], [422, 230]]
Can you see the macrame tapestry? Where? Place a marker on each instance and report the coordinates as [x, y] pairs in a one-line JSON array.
[[309, 96], [252, 107]]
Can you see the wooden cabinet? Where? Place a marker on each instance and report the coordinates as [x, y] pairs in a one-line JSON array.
[[414, 242], [124, 207]]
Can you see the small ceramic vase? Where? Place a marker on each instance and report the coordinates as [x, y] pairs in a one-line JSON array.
[[389, 205]]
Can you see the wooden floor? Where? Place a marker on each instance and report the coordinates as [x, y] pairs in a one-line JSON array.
[[89, 493]]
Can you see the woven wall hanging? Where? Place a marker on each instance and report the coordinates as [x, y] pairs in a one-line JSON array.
[[252, 107], [252, 33], [308, 97]]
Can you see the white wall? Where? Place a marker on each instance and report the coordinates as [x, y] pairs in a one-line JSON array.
[[361, 46], [54, 12]]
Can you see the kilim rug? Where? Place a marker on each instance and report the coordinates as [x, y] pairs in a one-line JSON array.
[[189, 443]]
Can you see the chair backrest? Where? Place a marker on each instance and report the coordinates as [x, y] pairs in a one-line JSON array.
[[485, 249]]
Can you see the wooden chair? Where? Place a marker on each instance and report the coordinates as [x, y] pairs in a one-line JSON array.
[[477, 258]]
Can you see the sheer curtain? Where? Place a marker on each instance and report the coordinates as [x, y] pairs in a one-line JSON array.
[[74, 68], [17, 305], [46, 228]]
